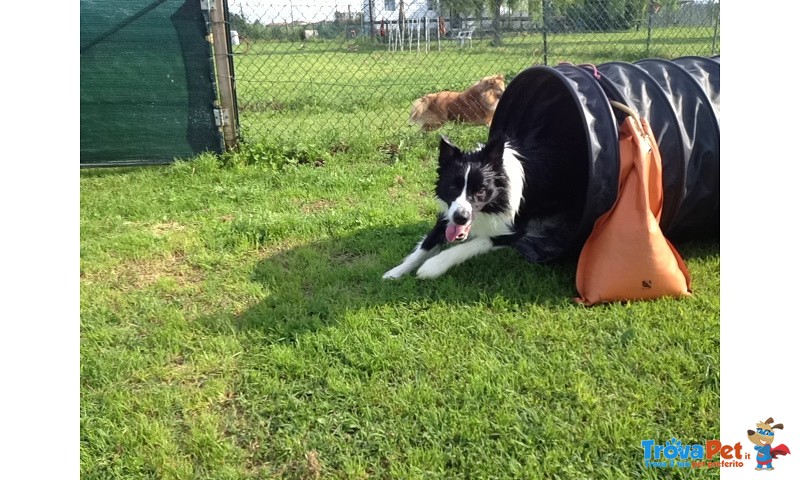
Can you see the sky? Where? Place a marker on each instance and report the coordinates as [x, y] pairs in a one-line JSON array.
[[287, 11]]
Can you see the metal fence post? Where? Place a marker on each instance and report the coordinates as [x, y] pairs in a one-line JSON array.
[[544, 28], [222, 60], [715, 12], [650, 8]]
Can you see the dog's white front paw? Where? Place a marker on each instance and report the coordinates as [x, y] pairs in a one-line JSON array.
[[395, 273], [432, 268]]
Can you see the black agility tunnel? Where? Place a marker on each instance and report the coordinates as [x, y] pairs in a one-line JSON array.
[[564, 113]]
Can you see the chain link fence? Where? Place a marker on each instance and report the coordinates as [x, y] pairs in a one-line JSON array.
[[329, 71]]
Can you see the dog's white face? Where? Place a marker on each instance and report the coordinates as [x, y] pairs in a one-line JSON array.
[[470, 184], [460, 212]]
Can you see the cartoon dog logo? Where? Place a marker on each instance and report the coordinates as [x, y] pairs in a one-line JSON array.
[[763, 437]]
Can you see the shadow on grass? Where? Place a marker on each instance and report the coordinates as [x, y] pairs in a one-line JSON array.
[[315, 285], [700, 249]]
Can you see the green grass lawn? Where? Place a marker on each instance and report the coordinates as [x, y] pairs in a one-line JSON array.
[[234, 325]]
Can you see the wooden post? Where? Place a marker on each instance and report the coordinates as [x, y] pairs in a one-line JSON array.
[[222, 61]]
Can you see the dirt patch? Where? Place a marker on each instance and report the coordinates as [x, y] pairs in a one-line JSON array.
[[397, 189], [139, 274], [345, 258], [313, 465], [317, 206], [158, 229], [166, 228]]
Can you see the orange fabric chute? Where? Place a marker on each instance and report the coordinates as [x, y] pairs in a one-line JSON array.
[[627, 257]]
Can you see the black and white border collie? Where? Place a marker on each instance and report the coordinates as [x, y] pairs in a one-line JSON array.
[[487, 198]]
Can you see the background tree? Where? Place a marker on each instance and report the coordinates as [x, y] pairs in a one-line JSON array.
[[495, 7], [608, 15], [466, 8]]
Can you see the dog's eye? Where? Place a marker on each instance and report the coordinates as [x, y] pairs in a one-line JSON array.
[[480, 194]]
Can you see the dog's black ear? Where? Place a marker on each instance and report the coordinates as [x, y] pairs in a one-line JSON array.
[[447, 151], [494, 151]]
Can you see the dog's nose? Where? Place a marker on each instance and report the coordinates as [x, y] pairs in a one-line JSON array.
[[751, 432], [460, 218]]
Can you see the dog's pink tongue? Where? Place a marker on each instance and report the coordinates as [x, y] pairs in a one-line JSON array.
[[456, 232]]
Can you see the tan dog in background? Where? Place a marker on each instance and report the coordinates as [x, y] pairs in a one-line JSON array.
[[474, 105]]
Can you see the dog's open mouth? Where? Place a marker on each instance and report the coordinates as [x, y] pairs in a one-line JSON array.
[[457, 233]]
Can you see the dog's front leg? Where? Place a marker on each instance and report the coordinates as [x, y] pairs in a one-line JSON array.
[[454, 256], [425, 249]]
